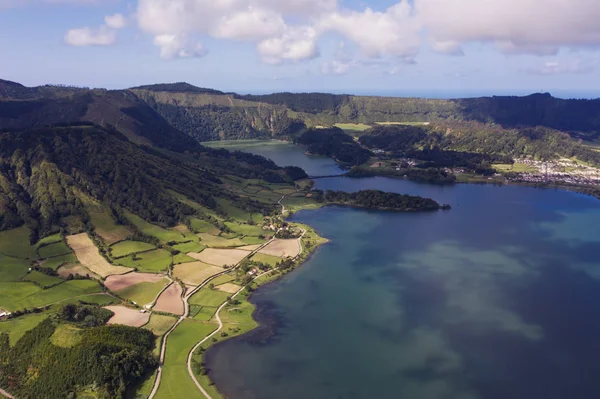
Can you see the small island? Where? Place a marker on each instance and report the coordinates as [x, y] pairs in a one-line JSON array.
[[379, 200]]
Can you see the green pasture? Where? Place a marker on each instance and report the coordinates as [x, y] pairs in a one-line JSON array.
[[124, 248], [143, 293], [52, 250], [15, 243]]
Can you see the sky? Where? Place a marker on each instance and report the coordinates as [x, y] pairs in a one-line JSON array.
[[434, 48]]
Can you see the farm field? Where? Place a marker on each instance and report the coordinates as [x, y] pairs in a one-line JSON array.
[[75, 269], [195, 273], [12, 269], [359, 127], [66, 336], [246, 229], [193, 246], [208, 297], [228, 288], [282, 248], [157, 260], [171, 300], [160, 324], [17, 327], [57, 261], [52, 250], [220, 242], [89, 256], [176, 382], [42, 280], [124, 248], [403, 123], [221, 257], [163, 235], [15, 243], [23, 295], [143, 293], [202, 226], [127, 316], [119, 282], [106, 227], [49, 240], [266, 259]]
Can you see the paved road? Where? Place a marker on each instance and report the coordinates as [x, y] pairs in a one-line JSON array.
[[4, 393]]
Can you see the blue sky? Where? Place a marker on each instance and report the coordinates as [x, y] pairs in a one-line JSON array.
[[429, 47]]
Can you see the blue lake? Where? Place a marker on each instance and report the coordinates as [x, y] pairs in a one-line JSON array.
[[498, 298]]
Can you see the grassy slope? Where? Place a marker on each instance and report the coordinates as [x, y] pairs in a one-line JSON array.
[[125, 248], [23, 295], [153, 261], [142, 293], [15, 243]]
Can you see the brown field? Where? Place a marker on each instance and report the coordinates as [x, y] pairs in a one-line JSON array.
[[89, 256], [282, 248], [115, 283], [229, 288], [182, 228], [75, 269], [127, 316], [189, 288], [195, 273], [170, 300], [250, 247], [220, 257]]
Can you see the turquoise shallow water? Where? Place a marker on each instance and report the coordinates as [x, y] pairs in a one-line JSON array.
[[497, 298]]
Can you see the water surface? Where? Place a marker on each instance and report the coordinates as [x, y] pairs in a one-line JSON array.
[[498, 298]]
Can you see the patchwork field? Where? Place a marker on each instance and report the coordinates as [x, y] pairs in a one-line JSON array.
[[57, 261], [208, 297], [195, 273], [250, 248], [127, 316], [157, 260], [106, 227], [12, 269], [282, 248], [176, 382], [246, 229], [228, 288], [42, 280], [21, 295], [219, 242], [171, 300], [124, 248], [202, 226], [160, 324], [221, 257], [266, 259], [155, 231], [89, 256], [75, 269], [52, 250], [193, 246], [15, 243], [116, 283], [17, 327], [359, 127]]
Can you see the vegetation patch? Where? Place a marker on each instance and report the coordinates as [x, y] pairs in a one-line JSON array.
[[124, 248], [157, 260], [66, 336], [163, 235], [228, 288], [209, 297], [89, 256], [202, 226], [25, 295], [75, 269], [115, 283], [12, 269], [127, 316], [143, 293], [18, 326], [220, 242], [245, 229], [195, 273], [357, 127], [192, 246]]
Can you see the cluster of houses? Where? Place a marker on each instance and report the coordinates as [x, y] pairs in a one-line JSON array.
[[559, 171]]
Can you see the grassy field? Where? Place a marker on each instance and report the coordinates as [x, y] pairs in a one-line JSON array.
[[17, 327], [360, 127], [517, 168], [52, 250], [160, 324], [163, 235], [153, 261], [403, 123], [232, 211], [195, 273], [202, 226], [142, 293], [15, 243], [106, 227], [176, 382], [219, 242], [42, 280], [246, 229], [12, 269], [124, 248], [58, 261], [23, 295], [266, 259], [66, 336], [49, 240], [189, 247], [208, 297]]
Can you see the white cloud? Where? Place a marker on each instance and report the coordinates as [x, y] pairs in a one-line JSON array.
[[116, 21], [564, 67], [296, 44], [335, 67], [178, 46], [90, 37], [523, 26], [251, 24]]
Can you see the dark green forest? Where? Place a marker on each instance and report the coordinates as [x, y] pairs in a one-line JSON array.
[[333, 142], [375, 199], [109, 358]]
